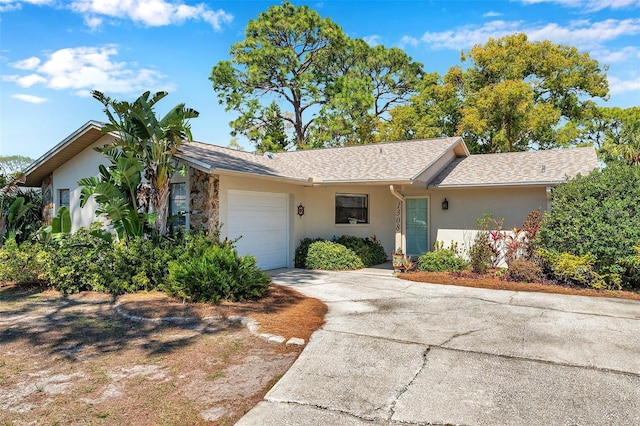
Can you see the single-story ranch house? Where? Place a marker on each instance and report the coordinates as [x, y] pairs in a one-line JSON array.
[[408, 194]]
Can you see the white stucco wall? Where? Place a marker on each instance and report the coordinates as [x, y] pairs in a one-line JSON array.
[[85, 164], [319, 203], [467, 205]]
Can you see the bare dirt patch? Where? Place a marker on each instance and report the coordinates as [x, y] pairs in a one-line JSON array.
[[493, 282], [75, 360]]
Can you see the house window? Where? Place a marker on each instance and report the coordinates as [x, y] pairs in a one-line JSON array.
[[352, 208], [63, 198], [178, 205]]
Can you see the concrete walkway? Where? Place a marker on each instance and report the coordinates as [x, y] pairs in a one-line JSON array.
[[399, 352]]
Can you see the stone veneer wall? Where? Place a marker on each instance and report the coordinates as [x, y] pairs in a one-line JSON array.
[[47, 200], [204, 201]]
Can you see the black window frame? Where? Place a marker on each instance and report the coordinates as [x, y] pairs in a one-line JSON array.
[[347, 209]]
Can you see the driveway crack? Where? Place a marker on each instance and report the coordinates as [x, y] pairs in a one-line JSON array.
[[455, 336], [392, 408]]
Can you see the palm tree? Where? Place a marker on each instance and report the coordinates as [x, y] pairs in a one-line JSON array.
[[629, 149], [153, 140]]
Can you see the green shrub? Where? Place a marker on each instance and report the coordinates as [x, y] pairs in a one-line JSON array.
[[597, 214], [300, 259], [79, 262], [219, 273], [142, 265], [332, 256], [523, 271], [568, 268], [369, 250], [481, 253], [441, 260], [21, 263]]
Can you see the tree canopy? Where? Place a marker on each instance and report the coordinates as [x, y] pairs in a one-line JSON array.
[[10, 164], [514, 95], [332, 90]]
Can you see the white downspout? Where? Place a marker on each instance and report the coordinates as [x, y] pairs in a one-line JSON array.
[[396, 194]]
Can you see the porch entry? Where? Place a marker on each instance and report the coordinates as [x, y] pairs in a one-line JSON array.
[[417, 237]]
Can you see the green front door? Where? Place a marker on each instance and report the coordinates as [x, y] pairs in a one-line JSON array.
[[417, 226]]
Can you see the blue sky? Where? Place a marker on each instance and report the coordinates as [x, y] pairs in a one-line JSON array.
[[54, 52]]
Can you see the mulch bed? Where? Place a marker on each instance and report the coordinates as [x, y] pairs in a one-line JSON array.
[[493, 282]]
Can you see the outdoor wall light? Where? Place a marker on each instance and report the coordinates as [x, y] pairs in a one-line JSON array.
[[445, 205], [300, 210]]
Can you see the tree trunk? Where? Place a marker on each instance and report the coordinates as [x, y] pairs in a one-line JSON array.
[[160, 205]]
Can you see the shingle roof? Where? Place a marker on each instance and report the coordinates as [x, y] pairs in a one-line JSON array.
[[548, 166], [393, 162], [383, 162]]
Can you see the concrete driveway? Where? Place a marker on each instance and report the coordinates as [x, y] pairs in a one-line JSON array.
[[399, 352]]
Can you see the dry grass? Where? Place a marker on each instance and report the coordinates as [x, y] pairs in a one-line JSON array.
[[74, 360], [493, 282]]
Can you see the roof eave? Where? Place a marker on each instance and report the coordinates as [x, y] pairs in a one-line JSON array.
[[56, 150], [329, 182], [196, 164], [497, 184], [283, 179]]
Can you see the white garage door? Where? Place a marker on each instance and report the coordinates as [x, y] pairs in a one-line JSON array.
[[262, 219]]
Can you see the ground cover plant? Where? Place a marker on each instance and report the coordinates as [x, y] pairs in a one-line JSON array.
[[78, 359]]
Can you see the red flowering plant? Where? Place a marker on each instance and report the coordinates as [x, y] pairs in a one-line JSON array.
[[514, 244]]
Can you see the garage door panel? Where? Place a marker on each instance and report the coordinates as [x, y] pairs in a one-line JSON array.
[[262, 219]]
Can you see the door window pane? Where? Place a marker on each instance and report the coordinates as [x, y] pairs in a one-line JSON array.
[[417, 232]]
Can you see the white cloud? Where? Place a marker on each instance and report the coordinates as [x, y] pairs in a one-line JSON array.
[[93, 22], [30, 80], [584, 34], [29, 98], [581, 33], [27, 64], [9, 5], [491, 14], [152, 13], [591, 5], [83, 69], [409, 41], [618, 86], [469, 35], [606, 56], [372, 40]]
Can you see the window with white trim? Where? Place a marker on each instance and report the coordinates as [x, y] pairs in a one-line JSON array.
[[352, 208], [178, 205]]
